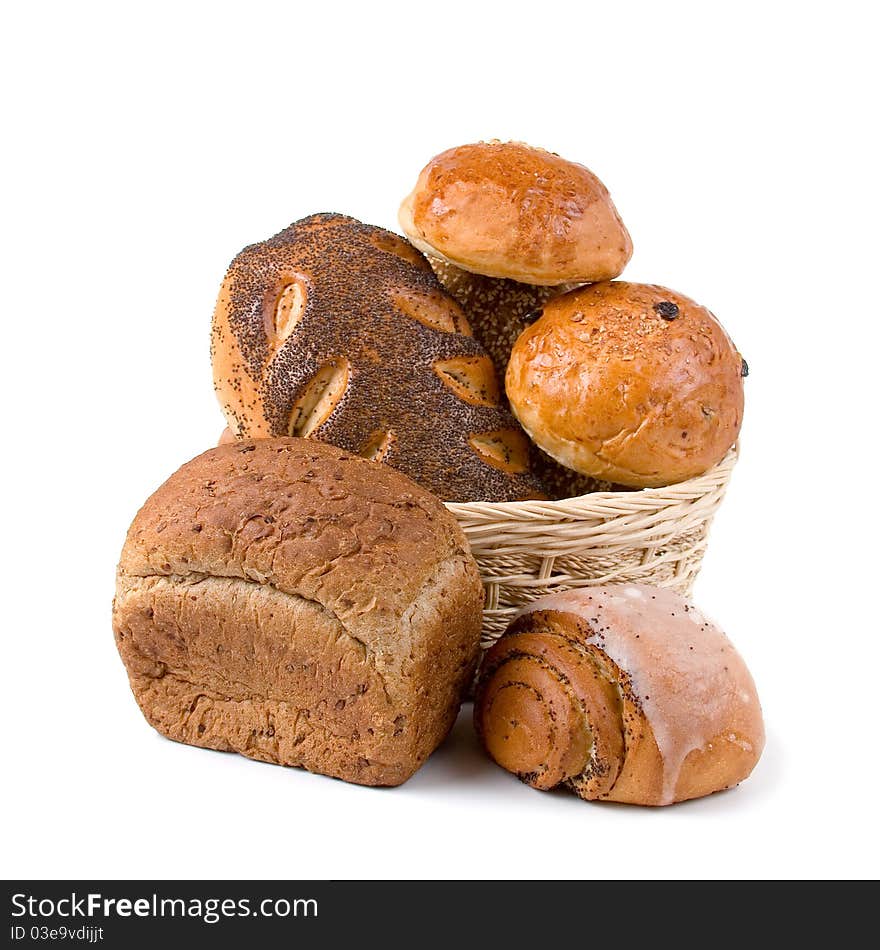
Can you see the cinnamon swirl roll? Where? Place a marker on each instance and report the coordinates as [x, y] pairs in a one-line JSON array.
[[626, 694]]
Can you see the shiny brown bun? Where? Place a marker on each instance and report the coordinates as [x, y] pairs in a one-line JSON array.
[[338, 331], [291, 602], [505, 209], [625, 694], [632, 383]]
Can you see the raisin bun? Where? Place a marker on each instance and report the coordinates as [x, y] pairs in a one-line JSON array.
[[633, 383], [338, 331]]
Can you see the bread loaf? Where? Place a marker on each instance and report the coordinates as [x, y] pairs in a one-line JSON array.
[[625, 694], [338, 331], [286, 600]]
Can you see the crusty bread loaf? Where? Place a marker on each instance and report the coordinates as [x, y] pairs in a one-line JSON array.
[[283, 599], [338, 331], [625, 693], [632, 383]]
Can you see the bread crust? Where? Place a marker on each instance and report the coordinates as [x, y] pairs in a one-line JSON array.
[[283, 599], [632, 383], [340, 331], [625, 694], [507, 210]]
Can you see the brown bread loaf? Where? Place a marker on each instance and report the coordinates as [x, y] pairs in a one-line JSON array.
[[286, 600]]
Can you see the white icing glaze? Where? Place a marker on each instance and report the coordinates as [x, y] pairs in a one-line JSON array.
[[685, 673]]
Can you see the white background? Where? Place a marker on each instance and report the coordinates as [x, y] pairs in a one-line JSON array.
[[144, 146]]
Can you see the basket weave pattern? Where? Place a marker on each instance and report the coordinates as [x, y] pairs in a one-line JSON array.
[[526, 549]]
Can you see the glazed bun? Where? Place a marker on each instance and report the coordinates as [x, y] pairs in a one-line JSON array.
[[632, 383], [507, 210], [624, 693]]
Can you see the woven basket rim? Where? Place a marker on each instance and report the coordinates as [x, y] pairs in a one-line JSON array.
[[601, 501]]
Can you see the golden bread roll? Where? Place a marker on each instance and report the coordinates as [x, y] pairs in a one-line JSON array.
[[625, 694], [507, 210], [632, 383], [288, 601], [338, 331], [507, 227]]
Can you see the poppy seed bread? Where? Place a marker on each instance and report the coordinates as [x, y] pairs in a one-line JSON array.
[[338, 331]]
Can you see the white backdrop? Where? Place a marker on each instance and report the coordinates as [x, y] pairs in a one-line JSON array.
[[145, 147]]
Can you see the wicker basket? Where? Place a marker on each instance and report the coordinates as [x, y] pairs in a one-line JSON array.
[[526, 549]]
